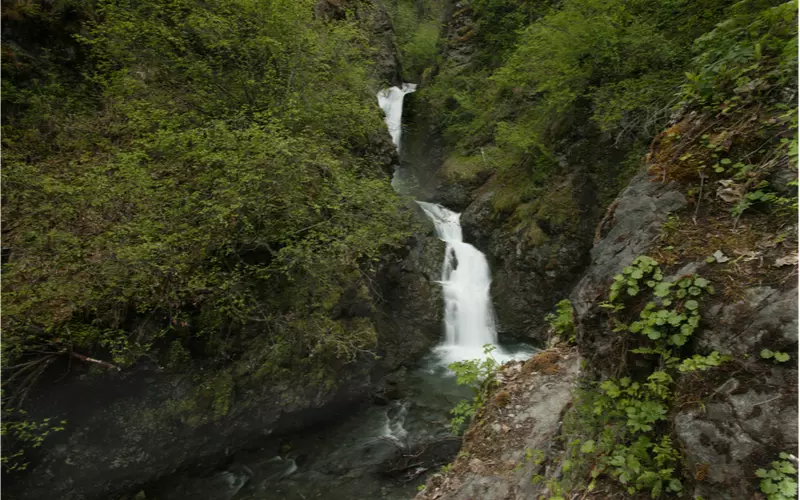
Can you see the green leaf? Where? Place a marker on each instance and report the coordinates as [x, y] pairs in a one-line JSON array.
[[766, 353], [788, 488], [652, 333], [691, 305], [587, 446], [634, 464], [781, 357], [662, 289], [678, 340], [768, 487]]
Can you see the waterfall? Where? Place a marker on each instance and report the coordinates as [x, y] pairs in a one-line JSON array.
[[391, 102], [468, 312], [469, 315]]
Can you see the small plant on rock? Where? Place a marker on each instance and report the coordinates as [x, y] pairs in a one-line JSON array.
[[479, 374], [702, 363], [780, 481], [562, 321], [621, 422], [777, 356]]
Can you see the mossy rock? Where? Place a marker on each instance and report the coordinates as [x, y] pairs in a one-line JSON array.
[[460, 168], [554, 212]]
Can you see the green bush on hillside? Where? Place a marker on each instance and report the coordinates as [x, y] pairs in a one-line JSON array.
[[204, 172]]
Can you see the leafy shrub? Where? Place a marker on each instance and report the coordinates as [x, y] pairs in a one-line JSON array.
[[618, 426], [702, 363], [778, 356], [205, 167], [738, 52], [780, 481], [478, 374], [562, 322], [21, 435], [417, 27]]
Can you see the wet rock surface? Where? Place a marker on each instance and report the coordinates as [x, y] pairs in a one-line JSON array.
[[409, 302], [537, 252], [523, 413], [130, 428], [731, 437], [631, 226], [376, 451]]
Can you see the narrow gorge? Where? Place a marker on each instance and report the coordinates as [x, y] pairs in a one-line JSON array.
[[245, 258]]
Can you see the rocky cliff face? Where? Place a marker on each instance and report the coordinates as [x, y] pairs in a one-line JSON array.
[[375, 15], [726, 420], [523, 414], [537, 250]]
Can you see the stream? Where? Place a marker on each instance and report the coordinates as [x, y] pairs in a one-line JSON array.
[[357, 457]]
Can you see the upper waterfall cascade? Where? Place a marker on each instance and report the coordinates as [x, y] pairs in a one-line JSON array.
[[466, 279], [391, 102]]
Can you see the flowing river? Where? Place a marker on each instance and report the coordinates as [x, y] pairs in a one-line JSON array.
[[353, 459]]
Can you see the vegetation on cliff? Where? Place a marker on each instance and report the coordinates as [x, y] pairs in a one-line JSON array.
[[417, 26], [190, 181], [711, 88], [553, 85]]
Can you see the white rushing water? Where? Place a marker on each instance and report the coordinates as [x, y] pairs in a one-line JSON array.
[[391, 102], [468, 313], [466, 279]]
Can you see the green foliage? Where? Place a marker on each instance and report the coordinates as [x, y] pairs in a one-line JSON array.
[[618, 427], [745, 63], [674, 315], [417, 27], [780, 481], [777, 356], [21, 435], [702, 363], [643, 270], [498, 23], [755, 45], [565, 80], [623, 416], [211, 168], [562, 321], [478, 374]]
